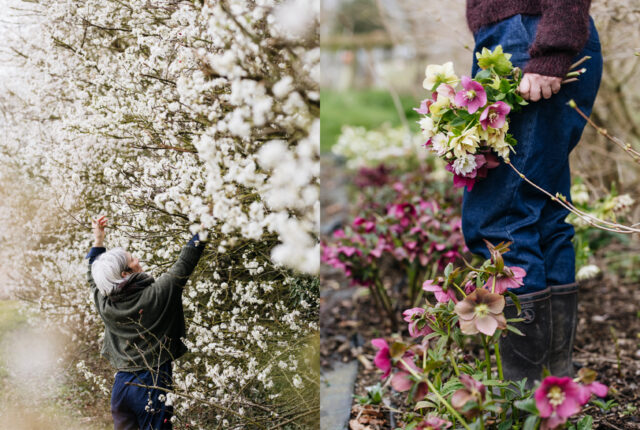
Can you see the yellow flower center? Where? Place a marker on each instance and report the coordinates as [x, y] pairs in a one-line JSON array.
[[556, 396], [481, 310], [493, 115], [471, 94]]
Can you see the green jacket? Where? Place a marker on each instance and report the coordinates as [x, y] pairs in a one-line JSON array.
[[144, 330]]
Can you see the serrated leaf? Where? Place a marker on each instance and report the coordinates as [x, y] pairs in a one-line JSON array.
[[506, 425], [528, 405], [516, 301], [585, 423], [530, 423], [514, 330]]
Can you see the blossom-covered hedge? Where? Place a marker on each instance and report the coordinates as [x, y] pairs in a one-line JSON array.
[[174, 118]]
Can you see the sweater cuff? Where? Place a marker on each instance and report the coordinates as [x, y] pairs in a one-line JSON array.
[[95, 252], [556, 64]]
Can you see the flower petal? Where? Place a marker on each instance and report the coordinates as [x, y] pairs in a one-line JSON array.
[[487, 324], [401, 381]]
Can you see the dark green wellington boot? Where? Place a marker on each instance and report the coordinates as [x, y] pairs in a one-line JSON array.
[[564, 316], [526, 356]]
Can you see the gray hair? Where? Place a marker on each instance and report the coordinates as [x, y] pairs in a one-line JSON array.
[[107, 269]]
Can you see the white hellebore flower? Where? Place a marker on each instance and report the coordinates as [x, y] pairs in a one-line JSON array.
[[464, 165], [440, 144], [589, 271], [427, 126], [443, 74]]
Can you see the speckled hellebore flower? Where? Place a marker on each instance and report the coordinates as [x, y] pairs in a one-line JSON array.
[[418, 322], [433, 423], [481, 311], [511, 278], [557, 399], [442, 295], [494, 115], [472, 95], [473, 390]]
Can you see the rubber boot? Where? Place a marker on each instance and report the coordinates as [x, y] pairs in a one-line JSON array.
[[564, 316], [526, 356]]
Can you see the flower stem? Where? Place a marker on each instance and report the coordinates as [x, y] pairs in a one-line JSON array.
[[454, 364], [496, 347], [436, 393], [447, 405], [487, 356]]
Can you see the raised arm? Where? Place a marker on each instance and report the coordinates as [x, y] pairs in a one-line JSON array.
[[178, 274], [98, 248]]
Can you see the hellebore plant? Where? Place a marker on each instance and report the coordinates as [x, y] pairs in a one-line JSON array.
[[446, 384], [407, 232]]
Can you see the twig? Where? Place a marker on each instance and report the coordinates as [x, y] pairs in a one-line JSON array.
[[635, 155], [589, 219]]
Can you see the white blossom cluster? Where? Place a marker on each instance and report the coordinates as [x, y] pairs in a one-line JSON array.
[[362, 147], [173, 118]]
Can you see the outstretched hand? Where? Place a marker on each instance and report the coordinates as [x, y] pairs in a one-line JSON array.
[[98, 225], [534, 86]]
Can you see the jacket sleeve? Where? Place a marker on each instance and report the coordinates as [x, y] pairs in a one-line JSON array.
[[562, 32], [178, 274], [91, 256]]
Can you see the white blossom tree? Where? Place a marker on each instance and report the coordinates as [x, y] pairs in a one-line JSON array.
[[176, 117]]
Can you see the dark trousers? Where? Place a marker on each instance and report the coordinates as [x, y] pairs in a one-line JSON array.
[[503, 207], [135, 407]]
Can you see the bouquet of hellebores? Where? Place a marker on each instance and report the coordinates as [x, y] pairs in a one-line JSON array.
[[465, 120]]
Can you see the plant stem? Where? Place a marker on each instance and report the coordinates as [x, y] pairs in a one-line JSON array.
[[487, 356], [496, 347], [386, 302], [454, 364], [498, 360]]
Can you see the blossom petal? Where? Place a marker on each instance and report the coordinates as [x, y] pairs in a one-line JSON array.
[[487, 324], [401, 381]]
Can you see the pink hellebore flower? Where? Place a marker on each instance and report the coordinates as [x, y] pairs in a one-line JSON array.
[[383, 356], [510, 279], [369, 226], [424, 107], [442, 296], [433, 423], [401, 381], [557, 399], [445, 90], [416, 319], [474, 390], [472, 96], [494, 115]]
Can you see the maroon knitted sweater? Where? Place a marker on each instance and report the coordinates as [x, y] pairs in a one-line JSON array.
[[562, 32]]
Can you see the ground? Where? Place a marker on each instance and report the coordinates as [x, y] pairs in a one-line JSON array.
[[608, 334], [34, 391]]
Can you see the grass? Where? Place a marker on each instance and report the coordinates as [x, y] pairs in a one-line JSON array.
[[368, 108]]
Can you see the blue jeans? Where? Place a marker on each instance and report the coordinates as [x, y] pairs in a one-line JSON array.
[[503, 207], [134, 407]]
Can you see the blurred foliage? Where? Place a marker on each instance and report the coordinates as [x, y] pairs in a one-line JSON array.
[[368, 108], [357, 17]]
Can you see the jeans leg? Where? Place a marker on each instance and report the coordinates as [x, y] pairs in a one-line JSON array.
[[124, 418], [154, 414], [555, 233]]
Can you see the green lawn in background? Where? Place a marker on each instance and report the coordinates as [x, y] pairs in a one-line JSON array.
[[369, 108]]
